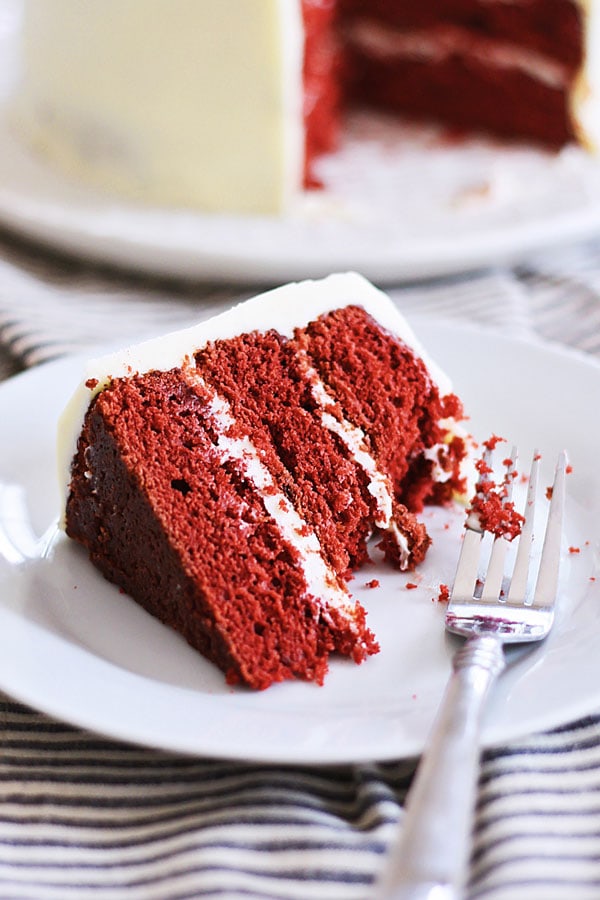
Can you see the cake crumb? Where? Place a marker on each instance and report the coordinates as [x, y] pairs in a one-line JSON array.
[[374, 583], [496, 514], [493, 441], [444, 594], [410, 585], [574, 550]]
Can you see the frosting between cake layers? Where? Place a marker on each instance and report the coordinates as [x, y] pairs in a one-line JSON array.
[[354, 439], [283, 309], [436, 45], [321, 580]]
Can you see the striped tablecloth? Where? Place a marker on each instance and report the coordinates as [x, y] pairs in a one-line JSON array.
[[85, 817]]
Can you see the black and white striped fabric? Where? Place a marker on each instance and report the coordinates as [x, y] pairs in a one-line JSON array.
[[84, 817]]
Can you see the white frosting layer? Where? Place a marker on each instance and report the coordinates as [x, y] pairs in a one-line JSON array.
[[435, 45], [186, 102], [321, 580], [283, 309], [355, 441]]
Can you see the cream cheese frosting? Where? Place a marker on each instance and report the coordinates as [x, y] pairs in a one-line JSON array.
[[166, 101]]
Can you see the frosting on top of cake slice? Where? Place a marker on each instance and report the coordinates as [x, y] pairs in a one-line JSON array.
[[282, 309]]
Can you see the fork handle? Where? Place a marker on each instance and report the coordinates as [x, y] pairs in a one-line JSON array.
[[431, 857]]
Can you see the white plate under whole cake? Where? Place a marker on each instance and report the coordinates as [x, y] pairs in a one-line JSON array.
[[400, 202], [73, 646]]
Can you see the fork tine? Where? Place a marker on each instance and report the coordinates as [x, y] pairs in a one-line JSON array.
[[495, 570], [467, 567], [467, 571], [520, 576], [547, 582]]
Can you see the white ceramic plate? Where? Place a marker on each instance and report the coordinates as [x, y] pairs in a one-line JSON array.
[[72, 645], [399, 203]]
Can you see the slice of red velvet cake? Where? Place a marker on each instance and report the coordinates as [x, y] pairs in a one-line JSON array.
[[228, 477]]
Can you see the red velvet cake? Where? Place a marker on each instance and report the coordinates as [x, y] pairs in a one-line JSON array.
[[228, 477], [224, 107]]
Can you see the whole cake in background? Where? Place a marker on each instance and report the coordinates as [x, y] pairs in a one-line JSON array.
[[229, 476], [225, 106]]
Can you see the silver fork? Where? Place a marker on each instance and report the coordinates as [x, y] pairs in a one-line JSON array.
[[430, 859]]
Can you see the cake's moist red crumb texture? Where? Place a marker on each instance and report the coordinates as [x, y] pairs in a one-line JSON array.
[[364, 365], [310, 463], [177, 520]]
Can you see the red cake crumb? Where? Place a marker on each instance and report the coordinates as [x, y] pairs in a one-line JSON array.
[[374, 583], [416, 537], [444, 594], [574, 550], [493, 441], [410, 585]]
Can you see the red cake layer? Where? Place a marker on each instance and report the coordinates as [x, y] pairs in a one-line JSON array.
[[181, 479]]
